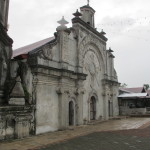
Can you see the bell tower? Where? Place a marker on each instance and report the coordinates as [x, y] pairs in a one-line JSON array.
[[88, 14]]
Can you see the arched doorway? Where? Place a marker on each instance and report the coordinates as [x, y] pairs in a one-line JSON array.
[[110, 108], [71, 113], [92, 108]]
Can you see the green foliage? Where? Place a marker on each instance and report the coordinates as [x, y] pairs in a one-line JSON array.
[[146, 86], [123, 85]]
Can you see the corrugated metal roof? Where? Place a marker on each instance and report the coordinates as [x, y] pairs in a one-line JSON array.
[[123, 90], [29, 48], [133, 95]]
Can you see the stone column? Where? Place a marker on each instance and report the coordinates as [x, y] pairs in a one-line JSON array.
[[4, 6], [2, 72], [115, 100], [106, 97], [2, 127], [1, 96], [105, 102], [79, 114], [5, 48], [62, 98]]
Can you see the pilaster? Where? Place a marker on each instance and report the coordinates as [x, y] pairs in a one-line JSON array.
[[80, 92], [62, 98]]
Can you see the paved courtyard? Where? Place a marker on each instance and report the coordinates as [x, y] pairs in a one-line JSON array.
[[104, 141], [124, 134]]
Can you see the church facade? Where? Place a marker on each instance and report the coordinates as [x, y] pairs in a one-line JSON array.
[[65, 80]]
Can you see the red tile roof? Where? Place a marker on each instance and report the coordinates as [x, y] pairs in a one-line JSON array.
[[134, 90], [28, 48]]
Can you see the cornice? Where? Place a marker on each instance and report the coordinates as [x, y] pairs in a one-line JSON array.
[[41, 69]]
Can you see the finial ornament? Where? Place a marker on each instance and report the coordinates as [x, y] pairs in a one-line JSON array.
[[62, 23], [102, 32], [110, 50], [77, 14], [88, 1]]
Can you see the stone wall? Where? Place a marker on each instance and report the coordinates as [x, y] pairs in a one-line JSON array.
[[17, 113], [125, 110], [16, 122], [16, 106]]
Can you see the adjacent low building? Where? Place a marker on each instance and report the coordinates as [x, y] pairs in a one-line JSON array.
[[134, 101]]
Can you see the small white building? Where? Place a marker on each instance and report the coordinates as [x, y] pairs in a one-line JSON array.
[[134, 101]]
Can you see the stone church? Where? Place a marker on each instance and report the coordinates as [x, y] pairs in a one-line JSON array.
[[61, 81]]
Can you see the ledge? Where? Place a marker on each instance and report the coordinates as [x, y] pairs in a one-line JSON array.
[[16, 109], [112, 82], [58, 72]]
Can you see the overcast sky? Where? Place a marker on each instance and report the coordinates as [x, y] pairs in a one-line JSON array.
[[126, 23]]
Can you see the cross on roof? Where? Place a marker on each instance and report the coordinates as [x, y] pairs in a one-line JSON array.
[[88, 1]]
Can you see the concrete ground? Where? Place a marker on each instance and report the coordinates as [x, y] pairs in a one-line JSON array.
[[124, 134]]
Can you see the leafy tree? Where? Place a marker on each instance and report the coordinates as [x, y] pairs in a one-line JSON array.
[[146, 86], [123, 85]]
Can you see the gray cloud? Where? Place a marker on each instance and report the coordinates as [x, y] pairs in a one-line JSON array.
[[132, 56], [116, 25]]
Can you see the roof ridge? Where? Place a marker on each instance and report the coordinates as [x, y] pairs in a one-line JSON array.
[[32, 43], [134, 87], [30, 47]]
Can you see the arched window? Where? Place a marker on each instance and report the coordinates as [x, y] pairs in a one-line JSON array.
[[110, 108], [92, 108]]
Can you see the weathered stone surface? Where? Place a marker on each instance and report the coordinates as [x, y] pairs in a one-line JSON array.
[[1, 97], [18, 89], [70, 71], [16, 121], [80, 61], [16, 101], [70, 79], [5, 50], [10, 126]]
